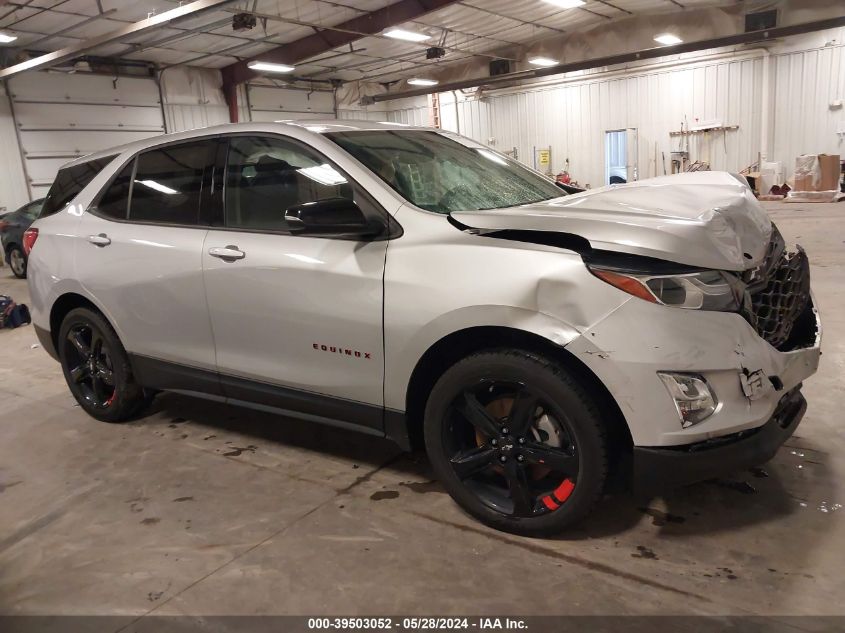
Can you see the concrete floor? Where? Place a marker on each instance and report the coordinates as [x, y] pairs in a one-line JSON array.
[[202, 508]]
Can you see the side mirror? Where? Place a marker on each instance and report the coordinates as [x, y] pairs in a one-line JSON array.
[[332, 217]]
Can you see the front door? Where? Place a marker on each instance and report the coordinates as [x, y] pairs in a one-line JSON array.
[[297, 321]]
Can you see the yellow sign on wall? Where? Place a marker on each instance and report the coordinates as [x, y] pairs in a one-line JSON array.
[[544, 157]]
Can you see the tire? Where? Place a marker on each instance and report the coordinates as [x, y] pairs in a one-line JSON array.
[[538, 477], [97, 369], [17, 262]]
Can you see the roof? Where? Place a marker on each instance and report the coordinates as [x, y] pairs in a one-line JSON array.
[[310, 126]]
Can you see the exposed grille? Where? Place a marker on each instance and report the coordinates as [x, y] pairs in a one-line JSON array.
[[779, 292]]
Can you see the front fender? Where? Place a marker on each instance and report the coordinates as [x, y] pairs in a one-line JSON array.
[[400, 363]]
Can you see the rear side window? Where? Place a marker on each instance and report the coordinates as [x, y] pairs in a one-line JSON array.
[[168, 182], [69, 182], [115, 201]]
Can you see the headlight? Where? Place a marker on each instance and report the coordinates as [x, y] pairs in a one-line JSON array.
[[703, 290]]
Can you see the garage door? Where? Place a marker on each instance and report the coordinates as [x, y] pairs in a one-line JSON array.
[[268, 103], [63, 116]]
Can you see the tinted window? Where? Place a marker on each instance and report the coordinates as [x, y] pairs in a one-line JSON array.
[[445, 173], [69, 182], [266, 176], [115, 201], [168, 183]]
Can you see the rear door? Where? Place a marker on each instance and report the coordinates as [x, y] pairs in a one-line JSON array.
[[295, 318], [140, 254]]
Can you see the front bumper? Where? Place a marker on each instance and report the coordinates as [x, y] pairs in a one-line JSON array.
[[628, 348], [659, 469]]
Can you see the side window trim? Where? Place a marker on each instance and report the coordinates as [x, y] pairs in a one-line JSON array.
[[393, 231], [134, 159], [131, 186], [92, 208]]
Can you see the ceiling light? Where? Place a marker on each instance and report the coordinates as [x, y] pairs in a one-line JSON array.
[[423, 82], [566, 4], [157, 186], [270, 68], [324, 174], [410, 36], [5, 38], [667, 39], [543, 61]]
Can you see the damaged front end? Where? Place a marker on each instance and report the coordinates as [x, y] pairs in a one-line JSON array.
[[721, 327], [779, 306]]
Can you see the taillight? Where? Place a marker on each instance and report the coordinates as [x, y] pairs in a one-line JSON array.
[[29, 237], [3, 226]]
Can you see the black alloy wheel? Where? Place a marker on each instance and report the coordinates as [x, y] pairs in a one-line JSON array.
[[97, 368], [512, 448], [90, 365], [516, 441]]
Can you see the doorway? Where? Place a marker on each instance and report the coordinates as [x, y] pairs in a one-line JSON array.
[[620, 151]]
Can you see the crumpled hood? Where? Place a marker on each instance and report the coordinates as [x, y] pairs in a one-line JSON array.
[[705, 219]]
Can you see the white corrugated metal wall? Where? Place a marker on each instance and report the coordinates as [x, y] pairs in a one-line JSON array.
[[807, 84], [807, 76], [573, 118], [63, 116]]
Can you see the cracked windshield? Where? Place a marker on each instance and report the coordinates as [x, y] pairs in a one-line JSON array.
[[444, 174]]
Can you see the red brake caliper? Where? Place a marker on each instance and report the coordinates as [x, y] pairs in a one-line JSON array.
[[560, 494]]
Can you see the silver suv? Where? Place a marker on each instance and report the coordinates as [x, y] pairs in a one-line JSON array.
[[413, 284]]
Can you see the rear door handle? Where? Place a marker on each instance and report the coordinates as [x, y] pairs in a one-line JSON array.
[[226, 253], [99, 240]]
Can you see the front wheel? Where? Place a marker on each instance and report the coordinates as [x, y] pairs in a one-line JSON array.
[[97, 368], [517, 442], [17, 262]]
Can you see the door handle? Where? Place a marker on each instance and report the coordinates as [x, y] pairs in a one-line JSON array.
[[99, 240], [226, 253]]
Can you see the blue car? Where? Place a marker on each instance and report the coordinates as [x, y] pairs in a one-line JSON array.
[[12, 227]]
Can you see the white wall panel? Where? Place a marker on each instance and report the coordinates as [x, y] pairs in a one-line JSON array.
[[806, 83], [193, 98], [414, 115], [362, 115], [269, 103], [63, 116], [807, 75], [572, 118], [13, 190]]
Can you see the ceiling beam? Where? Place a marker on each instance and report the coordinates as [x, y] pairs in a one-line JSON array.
[[328, 38], [153, 22], [623, 58]]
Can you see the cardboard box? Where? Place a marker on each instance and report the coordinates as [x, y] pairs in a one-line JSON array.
[[831, 172], [817, 172]]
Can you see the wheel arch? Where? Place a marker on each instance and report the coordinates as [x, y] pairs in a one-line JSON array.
[[62, 306], [457, 345]]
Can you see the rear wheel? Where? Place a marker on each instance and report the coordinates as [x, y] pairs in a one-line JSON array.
[[516, 441], [97, 368], [17, 262]]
